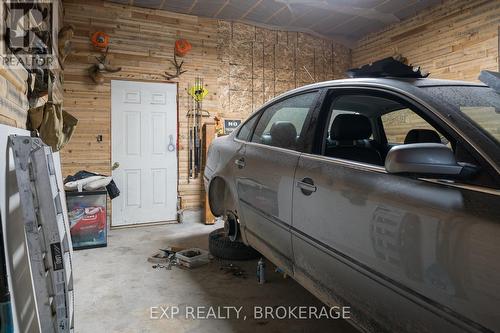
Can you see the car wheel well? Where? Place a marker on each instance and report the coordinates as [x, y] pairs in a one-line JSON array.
[[218, 196]]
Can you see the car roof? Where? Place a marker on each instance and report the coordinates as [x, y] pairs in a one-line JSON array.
[[396, 82], [388, 82]]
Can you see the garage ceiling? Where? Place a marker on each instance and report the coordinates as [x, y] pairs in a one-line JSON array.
[[342, 20]]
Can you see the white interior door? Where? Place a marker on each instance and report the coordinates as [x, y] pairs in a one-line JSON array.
[[144, 143]]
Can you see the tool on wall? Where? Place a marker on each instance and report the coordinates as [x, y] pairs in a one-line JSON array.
[[195, 113], [47, 233]]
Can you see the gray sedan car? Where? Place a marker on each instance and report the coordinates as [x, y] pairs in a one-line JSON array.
[[379, 194]]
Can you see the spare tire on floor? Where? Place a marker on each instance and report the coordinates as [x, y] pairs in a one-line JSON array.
[[222, 247]]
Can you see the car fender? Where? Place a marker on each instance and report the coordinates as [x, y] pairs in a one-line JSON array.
[[219, 178]]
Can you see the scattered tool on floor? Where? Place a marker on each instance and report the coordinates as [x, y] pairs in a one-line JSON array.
[[172, 261], [233, 269], [168, 259], [281, 271], [163, 256]]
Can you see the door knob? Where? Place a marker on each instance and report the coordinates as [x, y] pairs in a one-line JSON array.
[[115, 166], [171, 145], [306, 186], [240, 162]]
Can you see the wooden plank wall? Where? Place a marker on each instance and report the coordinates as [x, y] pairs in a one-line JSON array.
[[141, 43], [13, 86], [242, 66], [455, 40], [13, 96]]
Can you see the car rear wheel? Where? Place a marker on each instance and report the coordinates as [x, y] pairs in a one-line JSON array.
[[232, 226], [222, 247]]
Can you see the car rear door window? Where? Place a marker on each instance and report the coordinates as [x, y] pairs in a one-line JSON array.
[[281, 124], [247, 128]]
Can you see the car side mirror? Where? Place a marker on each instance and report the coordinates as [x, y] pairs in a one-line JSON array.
[[426, 160]]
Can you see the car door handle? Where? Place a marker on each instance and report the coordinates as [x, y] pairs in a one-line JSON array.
[[240, 162], [306, 186]]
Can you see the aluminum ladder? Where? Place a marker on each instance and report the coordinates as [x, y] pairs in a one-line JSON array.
[[47, 233]]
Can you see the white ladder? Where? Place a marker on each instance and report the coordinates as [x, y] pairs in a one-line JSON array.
[[47, 233]]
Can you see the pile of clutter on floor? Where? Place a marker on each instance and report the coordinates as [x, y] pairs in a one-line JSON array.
[[196, 257], [180, 257], [220, 247]]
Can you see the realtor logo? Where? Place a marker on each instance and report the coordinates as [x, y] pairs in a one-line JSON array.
[[28, 34]]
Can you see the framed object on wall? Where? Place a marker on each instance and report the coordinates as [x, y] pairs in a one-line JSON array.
[[230, 125], [87, 219]]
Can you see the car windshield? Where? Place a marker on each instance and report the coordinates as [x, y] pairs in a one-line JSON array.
[[480, 104]]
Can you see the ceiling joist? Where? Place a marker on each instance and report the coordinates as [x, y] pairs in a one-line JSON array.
[[276, 13], [250, 9], [221, 9]]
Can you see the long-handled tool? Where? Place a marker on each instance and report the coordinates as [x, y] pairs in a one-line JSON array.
[[195, 115]]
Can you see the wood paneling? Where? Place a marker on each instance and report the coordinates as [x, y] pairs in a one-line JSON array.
[[455, 40], [242, 67], [13, 86], [13, 99]]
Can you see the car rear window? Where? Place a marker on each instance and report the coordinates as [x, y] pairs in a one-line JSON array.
[[480, 104]]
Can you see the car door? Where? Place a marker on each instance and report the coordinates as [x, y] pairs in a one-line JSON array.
[[407, 254], [265, 181]]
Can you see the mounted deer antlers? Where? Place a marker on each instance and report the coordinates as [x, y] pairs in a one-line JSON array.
[[178, 69], [103, 66]]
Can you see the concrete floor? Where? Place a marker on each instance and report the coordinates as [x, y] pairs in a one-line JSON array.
[[115, 288]]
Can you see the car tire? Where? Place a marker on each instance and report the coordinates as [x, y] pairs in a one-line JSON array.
[[222, 247]]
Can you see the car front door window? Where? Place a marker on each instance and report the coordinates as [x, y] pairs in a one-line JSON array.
[[364, 127], [399, 124]]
